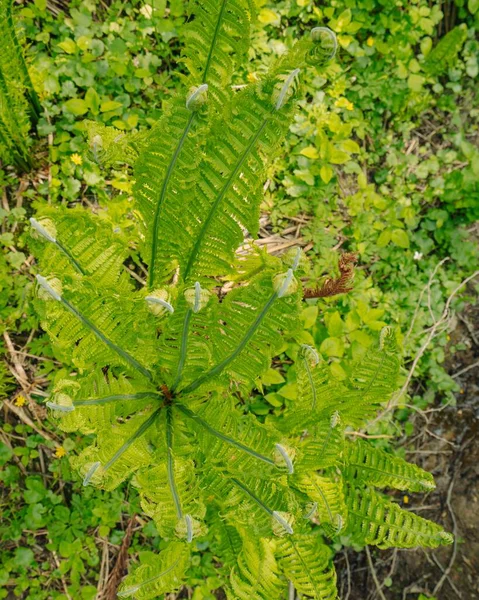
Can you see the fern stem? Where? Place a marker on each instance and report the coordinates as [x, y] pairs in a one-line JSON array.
[[115, 397], [170, 462], [159, 204], [253, 496], [311, 383], [68, 254], [324, 499], [138, 433], [213, 41], [272, 513], [122, 353], [189, 413], [183, 349], [219, 198], [222, 365]]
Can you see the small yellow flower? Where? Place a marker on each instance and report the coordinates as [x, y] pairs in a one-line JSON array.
[[252, 77], [60, 451], [406, 499], [370, 41], [76, 159], [20, 400]]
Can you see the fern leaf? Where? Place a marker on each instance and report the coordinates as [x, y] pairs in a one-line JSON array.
[[93, 328], [164, 172], [73, 241], [160, 502], [446, 51], [306, 561], [183, 346], [257, 575], [170, 491], [317, 394], [14, 123], [327, 498], [119, 451], [236, 443], [218, 35], [225, 540], [216, 40], [373, 466], [109, 145], [375, 520], [97, 401], [202, 236], [247, 332], [158, 573], [373, 379], [321, 447], [262, 507], [12, 61]]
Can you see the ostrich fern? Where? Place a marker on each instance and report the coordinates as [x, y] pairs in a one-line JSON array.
[[18, 98], [162, 371]]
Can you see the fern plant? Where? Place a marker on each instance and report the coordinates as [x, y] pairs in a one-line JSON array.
[[18, 100], [161, 372]]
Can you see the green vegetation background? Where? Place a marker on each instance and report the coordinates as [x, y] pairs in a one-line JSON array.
[[382, 160]]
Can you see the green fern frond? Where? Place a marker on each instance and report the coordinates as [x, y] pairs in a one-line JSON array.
[[12, 61], [326, 497], [375, 520], [322, 447], [246, 332], [109, 145], [201, 236], [18, 98], [236, 442], [90, 403], [257, 576], [14, 124], [370, 465], [225, 540], [92, 328], [306, 561], [372, 381], [158, 573], [445, 52], [218, 36], [158, 499], [262, 507], [165, 171], [119, 451], [75, 242], [184, 347], [216, 41]]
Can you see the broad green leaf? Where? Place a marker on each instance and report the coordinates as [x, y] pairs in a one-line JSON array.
[[310, 152], [68, 46], [76, 106], [332, 346], [326, 173], [400, 238]]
